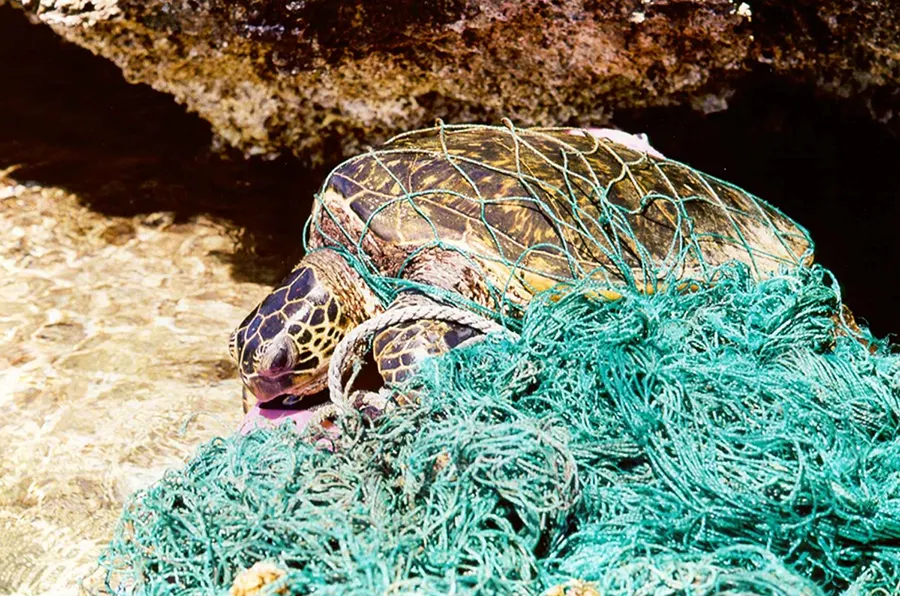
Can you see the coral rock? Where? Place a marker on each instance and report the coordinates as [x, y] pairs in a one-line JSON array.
[[321, 78]]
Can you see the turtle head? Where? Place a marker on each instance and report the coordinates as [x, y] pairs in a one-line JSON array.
[[284, 345]]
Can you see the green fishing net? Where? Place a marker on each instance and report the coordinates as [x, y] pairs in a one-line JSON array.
[[672, 423], [739, 438]]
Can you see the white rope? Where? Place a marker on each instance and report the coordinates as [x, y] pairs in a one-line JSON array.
[[351, 347]]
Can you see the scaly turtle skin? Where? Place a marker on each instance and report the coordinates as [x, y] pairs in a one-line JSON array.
[[495, 215]]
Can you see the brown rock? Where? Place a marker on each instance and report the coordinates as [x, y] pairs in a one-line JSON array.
[[321, 78]]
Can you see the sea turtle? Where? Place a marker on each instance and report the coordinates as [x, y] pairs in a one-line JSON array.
[[492, 215]]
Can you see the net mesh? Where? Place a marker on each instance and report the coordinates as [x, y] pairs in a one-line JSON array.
[[736, 438], [529, 208]]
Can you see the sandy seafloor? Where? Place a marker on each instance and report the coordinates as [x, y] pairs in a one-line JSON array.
[[113, 367]]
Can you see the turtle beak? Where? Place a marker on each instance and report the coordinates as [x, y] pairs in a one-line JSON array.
[[266, 388], [275, 375]]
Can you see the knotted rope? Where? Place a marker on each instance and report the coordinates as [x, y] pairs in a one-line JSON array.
[[350, 352]]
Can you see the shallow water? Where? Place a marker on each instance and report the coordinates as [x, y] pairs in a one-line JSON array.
[[118, 291], [113, 367]]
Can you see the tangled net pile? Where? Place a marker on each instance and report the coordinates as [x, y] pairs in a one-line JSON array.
[[734, 439], [716, 435]]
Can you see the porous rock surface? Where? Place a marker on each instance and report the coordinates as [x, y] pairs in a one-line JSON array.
[[322, 78]]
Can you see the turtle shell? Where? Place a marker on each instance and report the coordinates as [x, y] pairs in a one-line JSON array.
[[539, 206]]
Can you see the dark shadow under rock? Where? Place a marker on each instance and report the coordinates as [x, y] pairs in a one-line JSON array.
[[69, 119]]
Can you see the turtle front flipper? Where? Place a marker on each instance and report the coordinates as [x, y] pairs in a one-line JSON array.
[[399, 348]]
